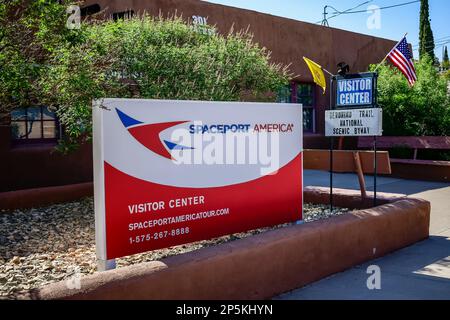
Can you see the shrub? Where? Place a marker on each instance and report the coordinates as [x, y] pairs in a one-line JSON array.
[[154, 58], [421, 110], [29, 33]]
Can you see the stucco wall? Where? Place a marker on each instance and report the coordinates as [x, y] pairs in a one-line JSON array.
[[28, 166], [262, 266]]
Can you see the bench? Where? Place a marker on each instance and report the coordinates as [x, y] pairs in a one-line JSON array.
[[359, 162], [429, 170], [415, 143]]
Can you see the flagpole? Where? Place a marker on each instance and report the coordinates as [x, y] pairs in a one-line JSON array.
[[329, 73], [390, 53]]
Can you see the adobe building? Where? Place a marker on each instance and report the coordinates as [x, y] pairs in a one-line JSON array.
[[27, 143]]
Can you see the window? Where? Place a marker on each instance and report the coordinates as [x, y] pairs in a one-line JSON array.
[[301, 93], [285, 95], [305, 96], [89, 10], [34, 124], [123, 15]]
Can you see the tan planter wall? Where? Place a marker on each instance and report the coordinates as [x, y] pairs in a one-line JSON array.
[[262, 266]]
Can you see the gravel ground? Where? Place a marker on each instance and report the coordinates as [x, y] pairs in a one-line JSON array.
[[45, 245]]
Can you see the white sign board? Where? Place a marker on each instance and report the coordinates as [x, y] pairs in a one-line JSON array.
[[174, 172], [355, 122]]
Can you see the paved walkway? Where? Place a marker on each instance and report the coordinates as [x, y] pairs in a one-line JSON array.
[[421, 271]]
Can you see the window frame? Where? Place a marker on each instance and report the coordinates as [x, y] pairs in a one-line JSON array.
[[123, 15], [32, 141], [294, 99], [89, 10]]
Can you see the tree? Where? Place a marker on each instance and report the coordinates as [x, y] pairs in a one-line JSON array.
[[426, 38], [445, 60], [149, 57], [446, 76], [30, 30], [421, 110], [43, 62]]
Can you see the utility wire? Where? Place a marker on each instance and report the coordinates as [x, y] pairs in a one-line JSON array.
[[440, 45], [383, 8], [349, 11], [442, 38], [356, 7], [437, 41]]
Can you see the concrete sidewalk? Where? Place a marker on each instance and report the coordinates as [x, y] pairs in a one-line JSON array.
[[421, 271]]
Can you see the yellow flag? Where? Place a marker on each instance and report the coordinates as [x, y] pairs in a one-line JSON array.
[[317, 73]]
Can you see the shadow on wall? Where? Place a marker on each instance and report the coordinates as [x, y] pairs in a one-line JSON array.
[[42, 166]]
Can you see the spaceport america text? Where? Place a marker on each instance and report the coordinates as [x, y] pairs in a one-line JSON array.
[[173, 172], [228, 144]]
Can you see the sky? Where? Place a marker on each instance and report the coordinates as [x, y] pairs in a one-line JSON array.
[[392, 24]]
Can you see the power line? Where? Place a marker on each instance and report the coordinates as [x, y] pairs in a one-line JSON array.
[[442, 38], [349, 11], [437, 41], [325, 20], [435, 47], [383, 8], [356, 7]]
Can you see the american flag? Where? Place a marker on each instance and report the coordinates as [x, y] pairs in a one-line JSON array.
[[402, 58]]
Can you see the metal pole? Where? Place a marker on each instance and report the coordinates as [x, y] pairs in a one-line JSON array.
[[331, 149], [105, 265], [375, 90], [331, 174], [325, 21], [375, 173]]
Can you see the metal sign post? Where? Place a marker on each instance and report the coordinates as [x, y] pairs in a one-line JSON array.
[[375, 103], [353, 112], [375, 171], [105, 265], [331, 147]]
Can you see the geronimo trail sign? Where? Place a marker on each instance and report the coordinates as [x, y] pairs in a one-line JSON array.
[[354, 122], [173, 172], [356, 112]]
